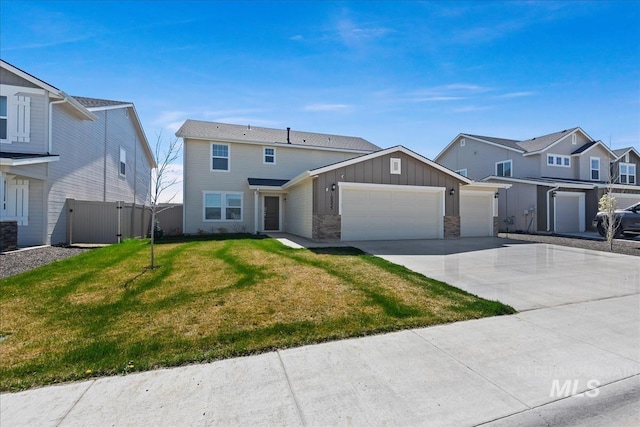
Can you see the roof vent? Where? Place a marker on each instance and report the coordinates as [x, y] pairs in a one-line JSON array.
[[249, 127], [288, 135]]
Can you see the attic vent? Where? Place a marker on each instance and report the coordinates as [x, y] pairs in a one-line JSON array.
[[573, 139], [395, 166], [462, 142]]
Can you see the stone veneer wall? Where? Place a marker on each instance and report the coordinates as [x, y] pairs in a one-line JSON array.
[[8, 235], [496, 226], [451, 227], [327, 227]]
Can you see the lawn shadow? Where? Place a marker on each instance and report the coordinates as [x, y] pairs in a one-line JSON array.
[[338, 250], [210, 237]]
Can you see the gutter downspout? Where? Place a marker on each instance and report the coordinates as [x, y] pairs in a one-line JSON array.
[[51, 103], [549, 208]]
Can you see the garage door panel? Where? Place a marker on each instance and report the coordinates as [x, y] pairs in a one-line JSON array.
[[374, 214], [476, 214]]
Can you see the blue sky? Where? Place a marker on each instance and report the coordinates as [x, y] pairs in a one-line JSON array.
[[410, 73]]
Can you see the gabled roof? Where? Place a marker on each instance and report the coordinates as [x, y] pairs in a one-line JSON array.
[[527, 146], [365, 157], [196, 129], [54, 91], [95, 103], [539, 143], [588, 146], [622, 151]]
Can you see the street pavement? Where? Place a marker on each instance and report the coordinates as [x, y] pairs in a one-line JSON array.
[[571, 356]]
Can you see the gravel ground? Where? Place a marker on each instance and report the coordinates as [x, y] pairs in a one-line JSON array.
[[20, 261]]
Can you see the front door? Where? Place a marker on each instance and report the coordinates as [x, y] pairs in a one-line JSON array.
[[271, 213]]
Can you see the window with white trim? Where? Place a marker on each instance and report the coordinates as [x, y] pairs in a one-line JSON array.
[[396, 166], [628, 173], [269, 156], [222, 206], [220, 157], [123, 162], [462, 172], [595, 168], [3, 117], [504, 168], [558, 160]]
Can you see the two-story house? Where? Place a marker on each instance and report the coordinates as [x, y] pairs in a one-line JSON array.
[[320, 186], [557, 179], [54, 146]]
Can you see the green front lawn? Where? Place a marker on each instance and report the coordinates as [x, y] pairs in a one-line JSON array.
[[101, 313]]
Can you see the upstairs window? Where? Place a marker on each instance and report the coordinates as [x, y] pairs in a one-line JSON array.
[[220, 157], [123, 162], [3, 117], [628, 173], [595, 168], [504, 168], [269, 155], [558, 160]]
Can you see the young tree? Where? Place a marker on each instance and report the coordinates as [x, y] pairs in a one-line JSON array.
[[607, 204], [160, 182]]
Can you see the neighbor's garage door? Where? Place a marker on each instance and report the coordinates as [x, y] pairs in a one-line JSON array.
[[569, 212], [476, 213], [626, 200], [389, 212]]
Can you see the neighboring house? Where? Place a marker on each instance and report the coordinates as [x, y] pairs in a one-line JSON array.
[[557, 179], [54, 147], [326, 187]]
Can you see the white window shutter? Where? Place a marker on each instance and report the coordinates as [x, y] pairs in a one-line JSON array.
[[18, 200], [23, 118]]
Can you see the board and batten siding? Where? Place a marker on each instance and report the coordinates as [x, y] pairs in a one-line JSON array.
[[246, 161], [298, 209], [377, 171]]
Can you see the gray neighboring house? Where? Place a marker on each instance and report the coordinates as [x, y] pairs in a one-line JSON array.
[[323, 187], [557, 179], [54, 146]]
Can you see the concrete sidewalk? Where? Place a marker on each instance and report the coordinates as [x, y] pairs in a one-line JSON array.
[[510, 370]]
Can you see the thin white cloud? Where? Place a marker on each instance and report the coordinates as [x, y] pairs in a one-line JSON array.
[[439, 98], [297, 37], [170, 120], [517, 94], [448, 92], [472, 108], [327, 107]]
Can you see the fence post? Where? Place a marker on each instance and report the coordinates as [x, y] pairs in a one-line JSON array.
[[71, 204], [119, 210]]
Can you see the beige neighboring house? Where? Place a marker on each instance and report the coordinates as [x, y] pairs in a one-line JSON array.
[[324, 187], [55, 147], [557, 179]]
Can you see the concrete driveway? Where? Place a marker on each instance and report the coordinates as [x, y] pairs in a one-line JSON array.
[[524, 275]]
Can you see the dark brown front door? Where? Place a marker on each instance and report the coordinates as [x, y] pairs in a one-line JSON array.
[[271, 213]]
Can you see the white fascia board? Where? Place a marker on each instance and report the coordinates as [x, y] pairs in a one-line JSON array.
[[28, 77], [483, 185], [143, 136], [394, 187], [109, 107], [558, 141], [277, 188], [546, 184], [297, 179], [391, 150], [616, 158], [274, 144], [31, 161], [613, 156], [86, 113], [619, 187]]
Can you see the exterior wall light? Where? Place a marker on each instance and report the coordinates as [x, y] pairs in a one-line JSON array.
[[452, 191], [496, 195], [333, 187]]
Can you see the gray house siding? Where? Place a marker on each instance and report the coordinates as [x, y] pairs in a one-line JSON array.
[[89, 166], [480, 159], [377, 171], [513, 202], [38, 138], [33, 233]]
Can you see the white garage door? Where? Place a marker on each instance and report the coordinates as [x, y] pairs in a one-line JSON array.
[[626, 200], [569, 212], [387, 212], [476, 213]]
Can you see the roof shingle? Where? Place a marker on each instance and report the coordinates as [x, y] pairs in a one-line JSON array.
[[240, 133], [97, 103]]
